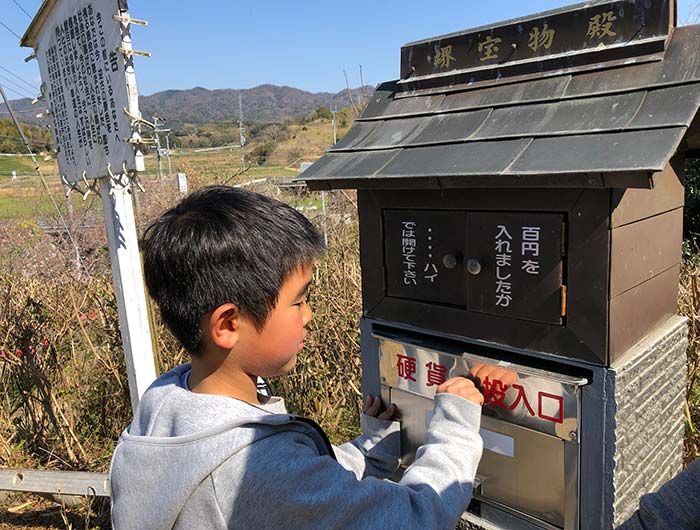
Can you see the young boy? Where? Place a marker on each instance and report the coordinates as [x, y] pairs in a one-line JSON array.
[[230, 270]]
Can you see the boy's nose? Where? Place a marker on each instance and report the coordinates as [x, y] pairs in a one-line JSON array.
[[307, 315]]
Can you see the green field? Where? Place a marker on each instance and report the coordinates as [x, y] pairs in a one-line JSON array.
[[21, 164], [213, 165], [26, 199]]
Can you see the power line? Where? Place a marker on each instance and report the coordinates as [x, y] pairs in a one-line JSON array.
[[9, 29], [30, 85], [11, 90], [24, 10], [8, 80], [43, 180]]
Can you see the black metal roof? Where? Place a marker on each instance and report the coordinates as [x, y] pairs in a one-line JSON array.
[[610, 127]]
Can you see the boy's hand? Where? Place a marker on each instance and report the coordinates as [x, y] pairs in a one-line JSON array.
[[461, 386], [482, 371], [373, 407]]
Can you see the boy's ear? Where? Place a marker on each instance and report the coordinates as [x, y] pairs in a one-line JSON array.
[[224, 323]]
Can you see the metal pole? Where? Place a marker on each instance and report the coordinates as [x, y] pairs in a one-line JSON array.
[[160, 168], [240, 130], [167, 153]]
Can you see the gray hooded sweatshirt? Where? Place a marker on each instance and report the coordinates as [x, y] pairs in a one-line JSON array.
[[191, 461]]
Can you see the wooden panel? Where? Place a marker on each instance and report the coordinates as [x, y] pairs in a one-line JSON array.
[[631, 205], [587, 271], [636, 312], [371, 250], [584, 335], [558, 341], [641, 250]]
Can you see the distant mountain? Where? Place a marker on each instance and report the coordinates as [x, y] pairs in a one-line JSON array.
[[262, 104]]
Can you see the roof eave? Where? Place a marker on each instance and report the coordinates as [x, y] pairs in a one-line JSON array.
[[30, 37]]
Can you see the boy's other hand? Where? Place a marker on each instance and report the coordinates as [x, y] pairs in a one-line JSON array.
[[463, 387], [375, 408]]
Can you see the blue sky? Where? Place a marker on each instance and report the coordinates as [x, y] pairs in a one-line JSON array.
[[305, 44]]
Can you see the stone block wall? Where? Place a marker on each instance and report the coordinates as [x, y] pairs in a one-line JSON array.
[[648, 421]]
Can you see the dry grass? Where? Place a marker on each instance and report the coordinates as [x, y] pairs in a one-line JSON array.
[[63, 390], [63, 387], [689, 305]]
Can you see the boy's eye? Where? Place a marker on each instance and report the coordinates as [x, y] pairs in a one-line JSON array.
[[304, 300]]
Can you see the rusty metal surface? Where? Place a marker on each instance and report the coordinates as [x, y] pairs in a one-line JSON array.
[[607, 128]]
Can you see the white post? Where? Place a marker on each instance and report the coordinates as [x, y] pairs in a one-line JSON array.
[[128, 287], [134, 324]]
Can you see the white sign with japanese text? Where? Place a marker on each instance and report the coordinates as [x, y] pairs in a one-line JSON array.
[[84, 82]]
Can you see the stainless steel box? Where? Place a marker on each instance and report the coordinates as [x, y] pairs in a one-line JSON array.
[[530, 426]]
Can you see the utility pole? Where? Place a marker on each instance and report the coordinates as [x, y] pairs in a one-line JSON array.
[[160, 151], [167, 154], [334, 111], [241, 129], [160, 169]]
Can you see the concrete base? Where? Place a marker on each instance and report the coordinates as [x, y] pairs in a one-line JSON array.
[[646, 433], [631, 434]]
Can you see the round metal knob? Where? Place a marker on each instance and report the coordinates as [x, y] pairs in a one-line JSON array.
[[449, 261], [473, 266]]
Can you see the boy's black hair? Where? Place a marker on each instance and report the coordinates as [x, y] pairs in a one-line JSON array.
[[222, 245]]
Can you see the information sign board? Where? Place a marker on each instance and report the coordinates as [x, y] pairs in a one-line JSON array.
[[84, 82]]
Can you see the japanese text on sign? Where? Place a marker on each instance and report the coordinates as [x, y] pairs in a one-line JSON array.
[[443, 57], [549, 407], [430, 271], [541, 38], [94, 106], [85, 84], [408, 245], [579, 30], [504, 253], [600, 26], [531, 249], [529, 252], [489, 48]]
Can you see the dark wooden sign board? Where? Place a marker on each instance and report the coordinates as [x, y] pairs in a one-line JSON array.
[[587, 29]]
